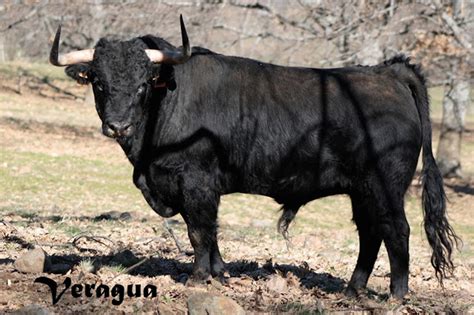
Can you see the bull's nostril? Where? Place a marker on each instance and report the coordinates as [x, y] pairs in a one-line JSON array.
[[115, 126], [127, 130], [119, 129], [108, 131]]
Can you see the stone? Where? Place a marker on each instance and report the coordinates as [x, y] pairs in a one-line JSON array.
[[277, 284], [210, 304], [32, 309], [34, 261]]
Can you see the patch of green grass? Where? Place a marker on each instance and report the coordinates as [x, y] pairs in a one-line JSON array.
[[116, 268], [436, 104], [42, 70], [165, 298], [24, 213], [65, 182], [436, 99], [466, 233], [87, 265], [69, 230], [27, 214], [21, 223]]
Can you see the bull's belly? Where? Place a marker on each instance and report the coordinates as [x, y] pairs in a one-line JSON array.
[[299, 186]]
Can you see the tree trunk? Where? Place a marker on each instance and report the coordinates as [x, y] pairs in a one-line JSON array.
[[456, 98], [455, 103]]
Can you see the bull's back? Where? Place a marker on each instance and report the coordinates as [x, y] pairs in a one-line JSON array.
[[300, 130]]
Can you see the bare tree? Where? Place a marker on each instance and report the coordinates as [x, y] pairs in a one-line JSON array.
[[456, 95]]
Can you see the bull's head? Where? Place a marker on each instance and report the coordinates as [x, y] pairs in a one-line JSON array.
[[121, 73]]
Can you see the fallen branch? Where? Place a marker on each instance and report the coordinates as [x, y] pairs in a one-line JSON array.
[[141, 262], [170, 230], [98, 239]]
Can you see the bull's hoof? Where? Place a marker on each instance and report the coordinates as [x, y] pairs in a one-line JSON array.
[[398, 290], [350, 291], [398, 296], [201, 275], [218, 269], [198, 280], [394, 300], [223, 277]]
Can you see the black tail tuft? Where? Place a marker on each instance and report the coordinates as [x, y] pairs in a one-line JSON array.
[[440, 234]]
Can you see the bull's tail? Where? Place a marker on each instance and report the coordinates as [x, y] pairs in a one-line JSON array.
[[440, 234]]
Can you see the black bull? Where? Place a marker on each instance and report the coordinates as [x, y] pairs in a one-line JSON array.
[[214, 124]]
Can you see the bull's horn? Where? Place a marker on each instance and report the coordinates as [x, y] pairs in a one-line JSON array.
[[177, 56], [71, 58]]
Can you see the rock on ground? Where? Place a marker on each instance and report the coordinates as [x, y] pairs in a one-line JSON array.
[[34, 261], [209, 304], [277, 284], [32, 309]]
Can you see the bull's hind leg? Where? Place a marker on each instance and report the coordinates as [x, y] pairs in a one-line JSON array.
[[369, 243], [396, 233], [378, 218]]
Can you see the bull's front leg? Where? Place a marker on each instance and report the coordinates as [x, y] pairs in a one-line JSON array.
[[217, 264], [202, 232], [200, 214]]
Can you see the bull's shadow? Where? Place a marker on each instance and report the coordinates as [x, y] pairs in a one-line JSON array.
[[462, 188], [180, 271]]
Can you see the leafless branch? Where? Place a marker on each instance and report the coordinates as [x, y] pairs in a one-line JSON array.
[[461, 36], [170, 230], [28, 16], [87, 236]]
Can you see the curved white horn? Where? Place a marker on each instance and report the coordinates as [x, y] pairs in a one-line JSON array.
[[180, 55], [71, 58]]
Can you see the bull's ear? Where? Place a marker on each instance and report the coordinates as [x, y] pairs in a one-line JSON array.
[[79, 72]]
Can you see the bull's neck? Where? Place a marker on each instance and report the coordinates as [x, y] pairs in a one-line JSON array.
[[139, 147]]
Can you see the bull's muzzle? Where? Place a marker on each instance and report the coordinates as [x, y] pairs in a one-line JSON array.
[[117, 129]]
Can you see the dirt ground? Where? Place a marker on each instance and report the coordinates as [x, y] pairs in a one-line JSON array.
[[58, 175]]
